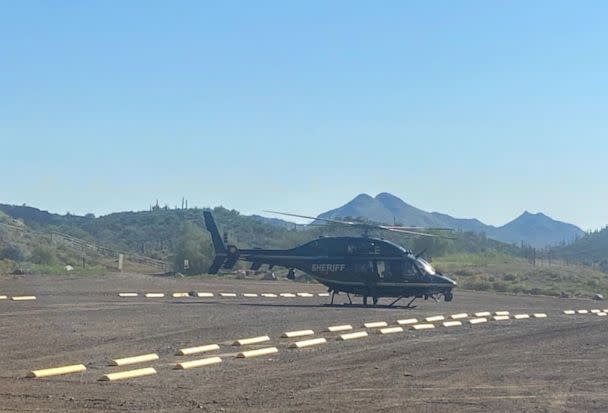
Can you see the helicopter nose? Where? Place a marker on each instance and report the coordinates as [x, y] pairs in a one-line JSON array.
[[448, 280]]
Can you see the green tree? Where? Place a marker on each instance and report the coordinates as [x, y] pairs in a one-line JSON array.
[[194, 246]]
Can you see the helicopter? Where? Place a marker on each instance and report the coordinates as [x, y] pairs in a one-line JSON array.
[[364, 266]]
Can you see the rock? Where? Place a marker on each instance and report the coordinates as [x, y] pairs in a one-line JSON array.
[[269, 276]]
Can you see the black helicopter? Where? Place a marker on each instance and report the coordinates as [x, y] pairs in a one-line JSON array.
[[365, 266]]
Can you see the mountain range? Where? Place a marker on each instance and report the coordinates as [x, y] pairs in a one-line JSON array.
[[537, 230]]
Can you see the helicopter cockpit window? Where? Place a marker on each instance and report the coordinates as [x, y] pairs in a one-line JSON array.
[[425, 267], [409, 270]]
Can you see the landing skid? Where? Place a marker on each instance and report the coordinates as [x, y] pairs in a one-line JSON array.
[[409, 305], [333, 294], [375, 305], [355, 305]]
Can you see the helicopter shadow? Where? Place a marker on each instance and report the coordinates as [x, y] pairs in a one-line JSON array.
[[209, 303], [345, 305], [196, 302]]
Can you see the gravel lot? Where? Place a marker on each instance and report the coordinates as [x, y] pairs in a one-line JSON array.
[[552, 364]]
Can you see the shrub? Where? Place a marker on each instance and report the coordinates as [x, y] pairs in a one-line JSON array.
[[43, 255], [480, 285], [11, 252], [463, 273], [517, 289], [193, 247], [7, 266], [500, 286]]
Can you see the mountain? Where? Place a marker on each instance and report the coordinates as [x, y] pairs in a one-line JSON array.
[[156, 233], [388, 208], [537, 230]]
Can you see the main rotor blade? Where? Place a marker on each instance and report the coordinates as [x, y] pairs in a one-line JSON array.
[[405, 231], [334, 221], [418, 228], [401, 230]]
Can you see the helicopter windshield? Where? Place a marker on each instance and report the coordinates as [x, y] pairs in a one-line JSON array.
[[424, 266]]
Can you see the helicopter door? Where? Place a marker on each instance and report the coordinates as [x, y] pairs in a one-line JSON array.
[[393, 270]]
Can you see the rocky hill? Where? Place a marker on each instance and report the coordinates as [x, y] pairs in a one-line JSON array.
[[537, 230]]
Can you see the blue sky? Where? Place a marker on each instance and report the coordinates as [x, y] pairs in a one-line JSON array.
[[472, 108]]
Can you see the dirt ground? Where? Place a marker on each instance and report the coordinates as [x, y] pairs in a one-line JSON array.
[[553, 364]]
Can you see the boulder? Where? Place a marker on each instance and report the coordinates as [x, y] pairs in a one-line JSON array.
[[269, 276]]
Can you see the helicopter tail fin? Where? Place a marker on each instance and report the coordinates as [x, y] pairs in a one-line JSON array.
[[218, 244], [217, 264]]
